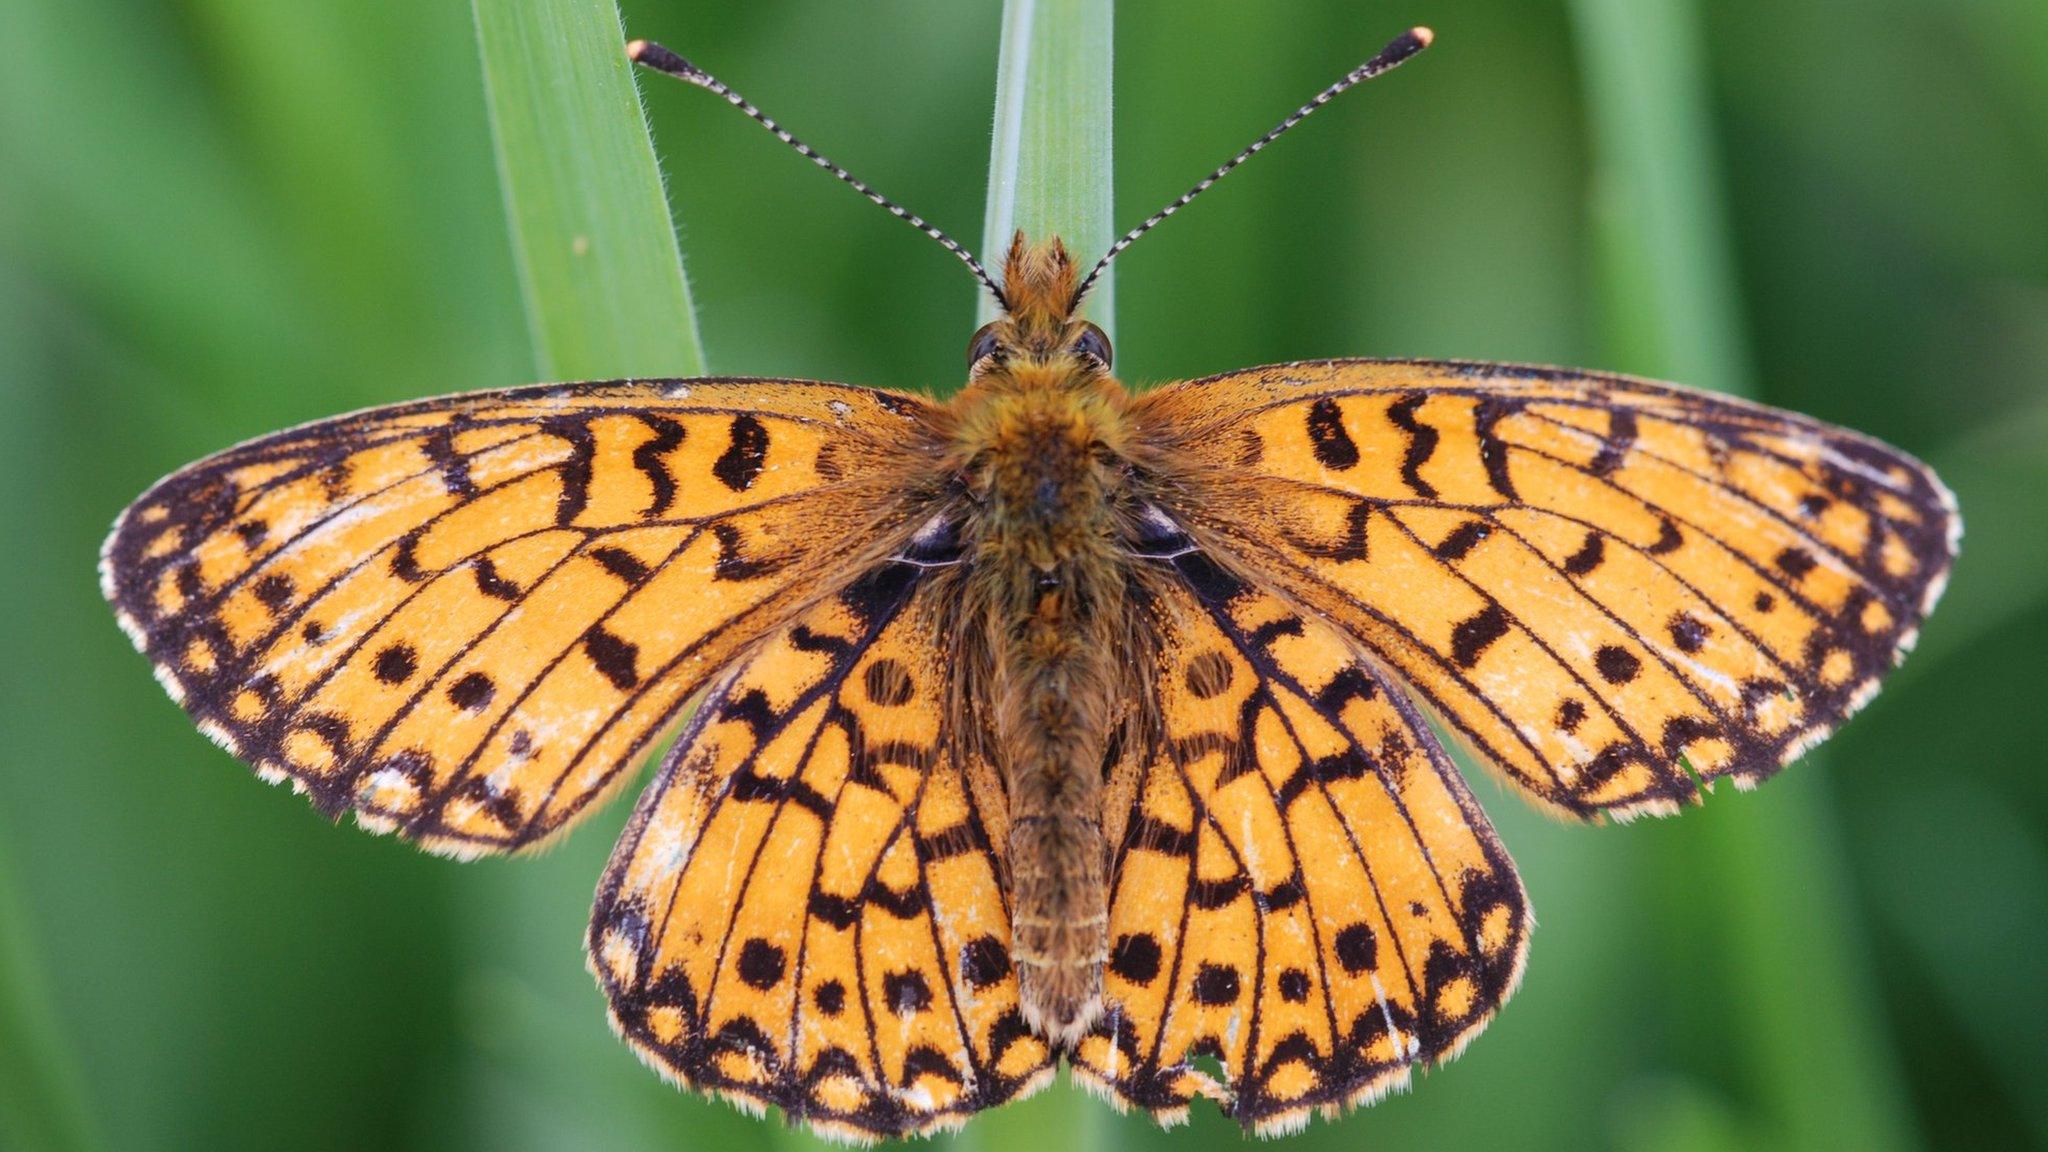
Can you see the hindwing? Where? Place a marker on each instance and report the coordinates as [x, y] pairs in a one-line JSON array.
[[807, 909], [1305, 893]]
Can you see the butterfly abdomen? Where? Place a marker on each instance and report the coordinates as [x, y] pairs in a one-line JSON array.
[[1046, 596]]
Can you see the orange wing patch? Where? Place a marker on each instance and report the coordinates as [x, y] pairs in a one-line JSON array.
[[806, 910], [465, 618], [1610, 588], [1305, 894]]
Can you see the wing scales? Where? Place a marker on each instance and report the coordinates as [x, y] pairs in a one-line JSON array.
[[1305, 893], [807, 911], [464, 618], [1611, 588]]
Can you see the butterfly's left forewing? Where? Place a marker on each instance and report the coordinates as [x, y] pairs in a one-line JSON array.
[[465, 618]]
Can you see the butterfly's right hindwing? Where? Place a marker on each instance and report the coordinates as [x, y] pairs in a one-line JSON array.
[[1304, 891]]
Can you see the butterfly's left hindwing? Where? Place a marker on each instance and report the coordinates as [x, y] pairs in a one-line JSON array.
[[806, 910], [1305, 891], [465, 618]]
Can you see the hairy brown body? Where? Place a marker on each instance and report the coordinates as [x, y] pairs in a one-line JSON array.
[[1038, 440]]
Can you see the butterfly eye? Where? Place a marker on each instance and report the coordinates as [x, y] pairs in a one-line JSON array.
[[1093, 344], [983, 345]]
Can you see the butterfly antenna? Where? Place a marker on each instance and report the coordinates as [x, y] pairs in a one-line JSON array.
[[648, 54], [1398, 50]]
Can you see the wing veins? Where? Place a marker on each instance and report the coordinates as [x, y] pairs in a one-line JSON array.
[[1242, 643], [1251, 545], [1821, 618], [1612, 710], [1656, 650], [467, 767], [706, 715], [1845, 566], [1309, 576], [405, 709]]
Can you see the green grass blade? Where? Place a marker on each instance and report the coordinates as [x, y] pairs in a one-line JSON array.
[[1050, 174], [1764, 881], [1049, 169], [596, 249], [602, 280]]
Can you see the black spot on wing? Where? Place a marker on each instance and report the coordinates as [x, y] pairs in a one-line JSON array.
[[906, 992], [1462, 540], [576, 468], [1796, 562], [762, 964], [490, 583], [888, 683], [1668, 538], [743, 459], [396, 663], [1294, 985], [274, 590], [984, 961], [1422, 441], [668, 436], [1471, 636], [472, 693], [1589, 556], [1617, 665], [1357, 949], [1136, 957], [1216, 985], [830, 997], [615, 657], [620, 563], [1332, 444], [1688, 632], [1493, 452], [1615, 446]]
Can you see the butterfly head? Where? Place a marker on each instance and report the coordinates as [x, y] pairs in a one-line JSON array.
[[1041, 326]]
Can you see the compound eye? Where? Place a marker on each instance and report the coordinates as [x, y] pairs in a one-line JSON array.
[[1093, 344], [983, 344]]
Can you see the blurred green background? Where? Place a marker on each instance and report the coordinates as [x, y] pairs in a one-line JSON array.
[[220, 217]]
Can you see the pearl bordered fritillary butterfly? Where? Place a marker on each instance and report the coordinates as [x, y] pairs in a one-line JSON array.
[[1052, 722]]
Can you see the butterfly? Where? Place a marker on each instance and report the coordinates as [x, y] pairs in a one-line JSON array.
[[1054, 722]]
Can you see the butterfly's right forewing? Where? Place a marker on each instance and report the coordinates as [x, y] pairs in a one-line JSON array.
[[1610, 588]]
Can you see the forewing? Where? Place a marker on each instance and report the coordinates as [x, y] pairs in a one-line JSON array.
[[465, 618], [806, 910], [1305, 891], [1608, 587]]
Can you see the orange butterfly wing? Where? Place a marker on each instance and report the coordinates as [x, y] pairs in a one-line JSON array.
[[465, 618], [806, 910], [1609, 588], [1305, 892]]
